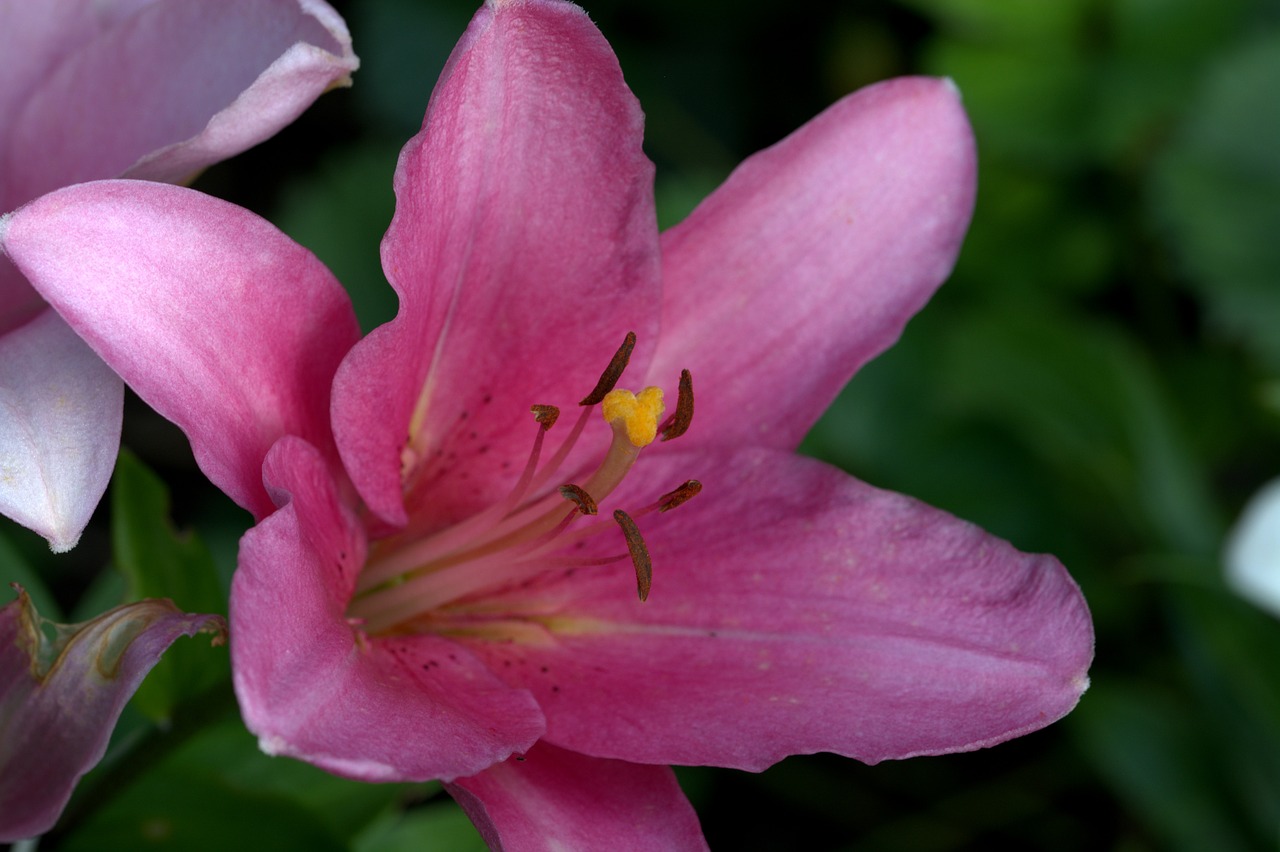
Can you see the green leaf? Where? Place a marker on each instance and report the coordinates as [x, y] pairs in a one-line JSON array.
[[1150, 747], [341, 214], [158, 562], [343, 806], [439, 825], [205, 784], [1089, 402], [1216, 192], [14, 569], [1229, 648], [187, 811]]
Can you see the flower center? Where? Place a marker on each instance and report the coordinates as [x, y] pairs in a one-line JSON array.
[[409, 580]]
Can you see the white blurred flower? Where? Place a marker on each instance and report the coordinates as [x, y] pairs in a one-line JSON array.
[[1253, 550]]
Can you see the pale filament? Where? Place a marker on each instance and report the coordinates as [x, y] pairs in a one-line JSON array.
[[512, 551], [498, 527]]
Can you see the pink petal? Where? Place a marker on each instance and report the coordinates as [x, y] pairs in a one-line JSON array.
[[34, 39], [60, 410], [171, 89], [214, 317], [310, 686], [552, 799], [812, 256], [795, 609], [60, 699], [523, 249]]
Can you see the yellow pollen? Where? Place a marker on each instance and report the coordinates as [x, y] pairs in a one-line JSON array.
[[639, 413]]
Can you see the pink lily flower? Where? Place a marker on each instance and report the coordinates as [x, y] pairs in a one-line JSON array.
[[152, 89], [61, 696], [427, 594]]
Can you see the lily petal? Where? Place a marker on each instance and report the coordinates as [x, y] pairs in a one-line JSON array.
[[60, 699], [34, 39], [552, 799], [237, 347], [812, 256], [523, 249], [172, 89], [396, 708], [795, 609], [60, 411]]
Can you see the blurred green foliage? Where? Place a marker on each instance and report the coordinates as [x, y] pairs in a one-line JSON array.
[[1099, 379]]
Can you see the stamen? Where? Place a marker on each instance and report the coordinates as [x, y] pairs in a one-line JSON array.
[[639, 553], [545, 415], [573, 493], [678, 423], [678, 496], [529, 533], [563, 453], [613, 372]]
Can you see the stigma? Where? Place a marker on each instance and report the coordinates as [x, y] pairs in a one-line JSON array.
[[637, 414], [433, 581]]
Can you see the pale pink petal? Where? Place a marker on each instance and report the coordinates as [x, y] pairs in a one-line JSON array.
[[524, 247], [34, 39], [61, 697], [551, 799], [795, 610], [172, 89], [60, 410], [219, 321], [812, 256], [393, 708]]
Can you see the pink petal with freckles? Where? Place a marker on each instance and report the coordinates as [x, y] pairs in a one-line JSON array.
[[172, 89], [60, 410], [795, 609], [60, 698], [551, 799], [811, 258], [524, 247], [219, 321], [387, 709]]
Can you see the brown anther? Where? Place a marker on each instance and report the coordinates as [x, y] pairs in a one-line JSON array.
[[676, 497], [613, 372], [586, 505], [678, 423], [639, 553], [546, 415]]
